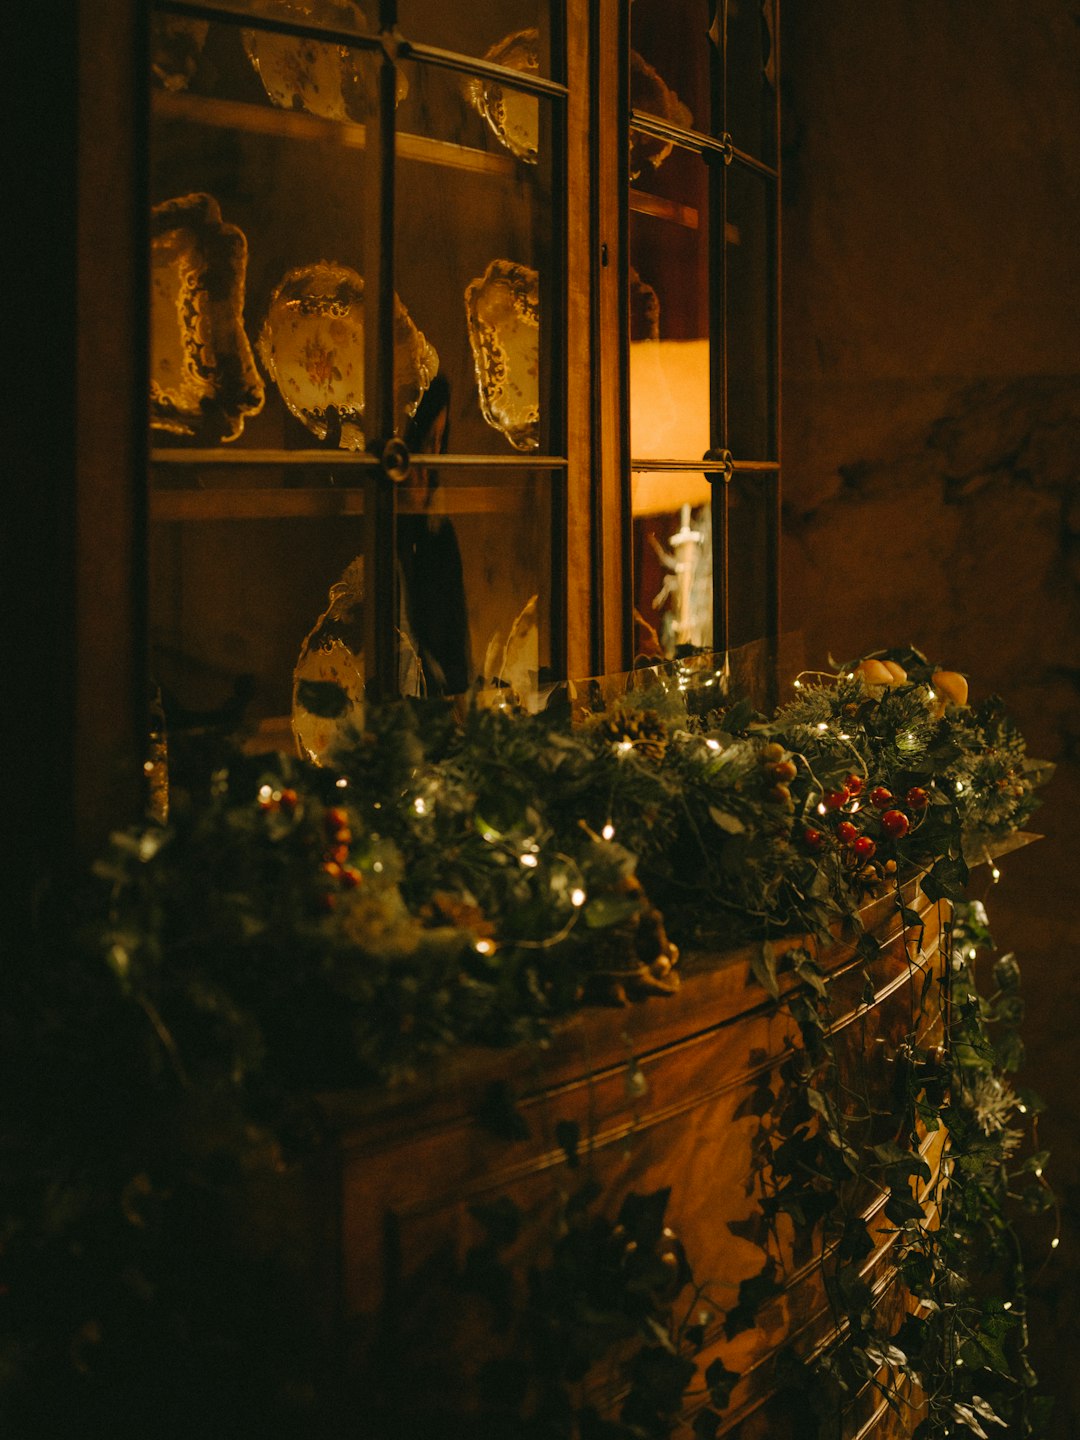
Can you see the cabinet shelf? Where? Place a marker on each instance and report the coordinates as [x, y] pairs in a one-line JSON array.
[[297, 125], [266, 503], [688, 216]]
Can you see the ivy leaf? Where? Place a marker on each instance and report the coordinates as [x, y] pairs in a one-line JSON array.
[[568, 1134], [605, 910], [947, 880], [753, 1293], [499, 1114], [901, 1206], [721, 1382], [324, 698], [501, 1220], [763, 968]]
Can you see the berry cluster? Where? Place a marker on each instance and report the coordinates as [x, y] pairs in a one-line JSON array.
[[857, 832], [336, 862]]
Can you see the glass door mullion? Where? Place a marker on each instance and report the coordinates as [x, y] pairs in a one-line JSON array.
[[380, 579]]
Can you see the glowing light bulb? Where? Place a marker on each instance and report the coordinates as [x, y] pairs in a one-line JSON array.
[[577, 899], [624, 745], [822, 727], [1022, 1109], [484, 947], [265, 792], [529, 860], [797, 684], [343, 784], [1055, 1242], [420, 805], [1038, 1172], [378, 867], [1008, 1303], [995, 874], [821, 810], [713, 744], [959, 787], [608, 832]]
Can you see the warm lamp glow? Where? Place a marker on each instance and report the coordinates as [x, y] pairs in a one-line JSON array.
[[669, 420]]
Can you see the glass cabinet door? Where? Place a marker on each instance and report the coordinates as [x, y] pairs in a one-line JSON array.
[[702, 323], [356, 357], [378, 233]]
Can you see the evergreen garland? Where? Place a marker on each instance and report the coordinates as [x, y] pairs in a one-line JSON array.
[[459, 881]]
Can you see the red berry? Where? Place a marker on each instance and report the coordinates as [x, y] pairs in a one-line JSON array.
[[864, 847], [895, 823], [836, 799], [880, 797], [814, 839], [289, 799], [917, 798], [350, 877], [854, 784], [846, 832], [335, 818]]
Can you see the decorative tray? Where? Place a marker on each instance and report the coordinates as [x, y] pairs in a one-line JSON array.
[[312, 345], [513, 116], [203, 379], [503, 309]]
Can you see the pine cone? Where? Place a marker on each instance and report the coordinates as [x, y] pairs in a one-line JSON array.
[[640, 730]]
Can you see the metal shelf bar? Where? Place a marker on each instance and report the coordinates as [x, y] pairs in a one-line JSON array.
[[356, 459]]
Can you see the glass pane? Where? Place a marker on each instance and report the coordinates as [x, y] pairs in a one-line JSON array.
[[475, 564], [751, 315], [751, 77], [475, 248], [669, 310], [235, 601], [507, 32], [673, 581], [750, 579], [670, 59], [257, 261]]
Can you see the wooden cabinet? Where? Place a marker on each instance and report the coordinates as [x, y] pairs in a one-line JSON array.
[[575, 206]]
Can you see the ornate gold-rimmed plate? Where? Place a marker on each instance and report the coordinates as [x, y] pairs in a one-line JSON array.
[[312, 345], [203, 378], [319, 77], [514, 117], [503, 310]]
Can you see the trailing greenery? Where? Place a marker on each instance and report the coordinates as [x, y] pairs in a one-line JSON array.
[[473, 880]]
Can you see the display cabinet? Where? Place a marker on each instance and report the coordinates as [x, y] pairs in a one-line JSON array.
[[461, 336]]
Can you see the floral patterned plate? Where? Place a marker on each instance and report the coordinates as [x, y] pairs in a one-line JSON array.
[[319, 77], [503, 310], [312, 345], [203, 380]]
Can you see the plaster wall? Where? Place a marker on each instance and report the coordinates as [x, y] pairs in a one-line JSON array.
[[931, 434]]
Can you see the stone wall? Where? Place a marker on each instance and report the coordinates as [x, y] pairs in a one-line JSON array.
[[931, 437]]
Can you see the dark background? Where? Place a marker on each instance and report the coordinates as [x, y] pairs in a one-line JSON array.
[[931, 439]]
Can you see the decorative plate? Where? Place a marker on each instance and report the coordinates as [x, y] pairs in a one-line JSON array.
[[203, 379], [332, 655], [312, 345], [649, 92], [503, 309], [513, 116], [175, 48], [319, 77]]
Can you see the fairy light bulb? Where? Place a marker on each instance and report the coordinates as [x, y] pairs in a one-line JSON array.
[[577, 899], [343, 784], [713, 744], [529, 860], [995, 874], [420, 805], [608, 832], [484, 947]]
